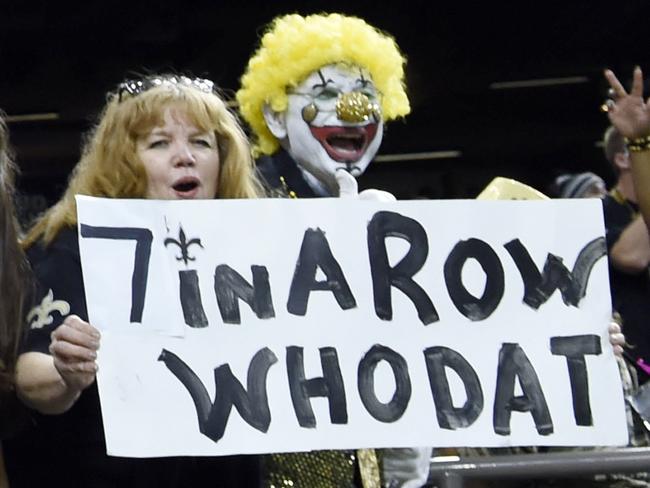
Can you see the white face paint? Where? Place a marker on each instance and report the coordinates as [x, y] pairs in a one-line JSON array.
[[312, 129]]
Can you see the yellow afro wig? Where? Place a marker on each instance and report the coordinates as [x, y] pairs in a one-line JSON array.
[[295, 46]]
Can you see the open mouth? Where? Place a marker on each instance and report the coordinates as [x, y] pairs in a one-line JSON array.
[[345, 144], [186, 187]]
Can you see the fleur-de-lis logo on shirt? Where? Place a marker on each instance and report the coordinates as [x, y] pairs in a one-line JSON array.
[[184, 245], [41, 315]]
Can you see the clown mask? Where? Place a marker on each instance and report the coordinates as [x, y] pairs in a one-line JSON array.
[[333, 121]]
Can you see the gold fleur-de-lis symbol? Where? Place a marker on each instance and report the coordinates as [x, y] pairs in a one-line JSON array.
[[184, 245], [41, 315]]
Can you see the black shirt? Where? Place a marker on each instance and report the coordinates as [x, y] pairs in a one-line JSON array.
[[283, 178], [630, 292]]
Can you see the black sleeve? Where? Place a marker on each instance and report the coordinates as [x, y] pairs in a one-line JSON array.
[[616, 220], [59, 289]]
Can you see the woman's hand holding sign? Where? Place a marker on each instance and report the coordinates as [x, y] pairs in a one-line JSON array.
[[74, 350], [616, 338], [52, 384]]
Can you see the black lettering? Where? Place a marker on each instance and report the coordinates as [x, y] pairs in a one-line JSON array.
[[538, 287], [513, 364], [315, 252], [472, 307], [574, 348], [191, 303], [396, 406], [230, 287], [253, 406], [390, 224], [449, 417], [142, 238], [330, 386]]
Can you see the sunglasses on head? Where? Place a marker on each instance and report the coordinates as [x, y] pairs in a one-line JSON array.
[[132, 88]]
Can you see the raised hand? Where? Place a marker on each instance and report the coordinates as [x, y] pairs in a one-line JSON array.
[[627, 111], [74, 349]]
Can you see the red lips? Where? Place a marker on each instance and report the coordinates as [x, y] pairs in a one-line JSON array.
[[345, 144]]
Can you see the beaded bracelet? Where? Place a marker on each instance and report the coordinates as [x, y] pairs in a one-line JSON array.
[[639, 144]]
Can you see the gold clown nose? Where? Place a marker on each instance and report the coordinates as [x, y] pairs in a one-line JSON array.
[[356, 107]]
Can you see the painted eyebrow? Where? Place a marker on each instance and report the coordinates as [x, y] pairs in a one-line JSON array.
[[364, 83], [324, 81]]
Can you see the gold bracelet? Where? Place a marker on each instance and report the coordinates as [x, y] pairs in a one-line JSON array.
[[640, 144]]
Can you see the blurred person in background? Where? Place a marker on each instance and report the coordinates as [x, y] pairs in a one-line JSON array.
[[580, 185], [628, 245]]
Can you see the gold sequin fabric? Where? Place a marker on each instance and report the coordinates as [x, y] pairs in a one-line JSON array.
[[315, 469]]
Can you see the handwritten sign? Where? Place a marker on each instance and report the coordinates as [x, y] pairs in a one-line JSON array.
[[252, 326]]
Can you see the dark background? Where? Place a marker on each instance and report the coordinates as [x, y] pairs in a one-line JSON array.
[[62, 59]]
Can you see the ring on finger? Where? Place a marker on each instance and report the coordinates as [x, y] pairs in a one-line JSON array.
[[607, 105]]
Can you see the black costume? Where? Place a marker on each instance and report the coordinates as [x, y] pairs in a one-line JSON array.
[[283, 178], [630, 292], [69, 449]]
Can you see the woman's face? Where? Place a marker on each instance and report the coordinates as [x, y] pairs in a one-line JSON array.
[[181, 161]]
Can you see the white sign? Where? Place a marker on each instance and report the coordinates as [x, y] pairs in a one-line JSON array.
[[253, 326]]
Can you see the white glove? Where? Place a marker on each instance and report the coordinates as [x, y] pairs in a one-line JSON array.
[[406, 467], [348, 189]]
